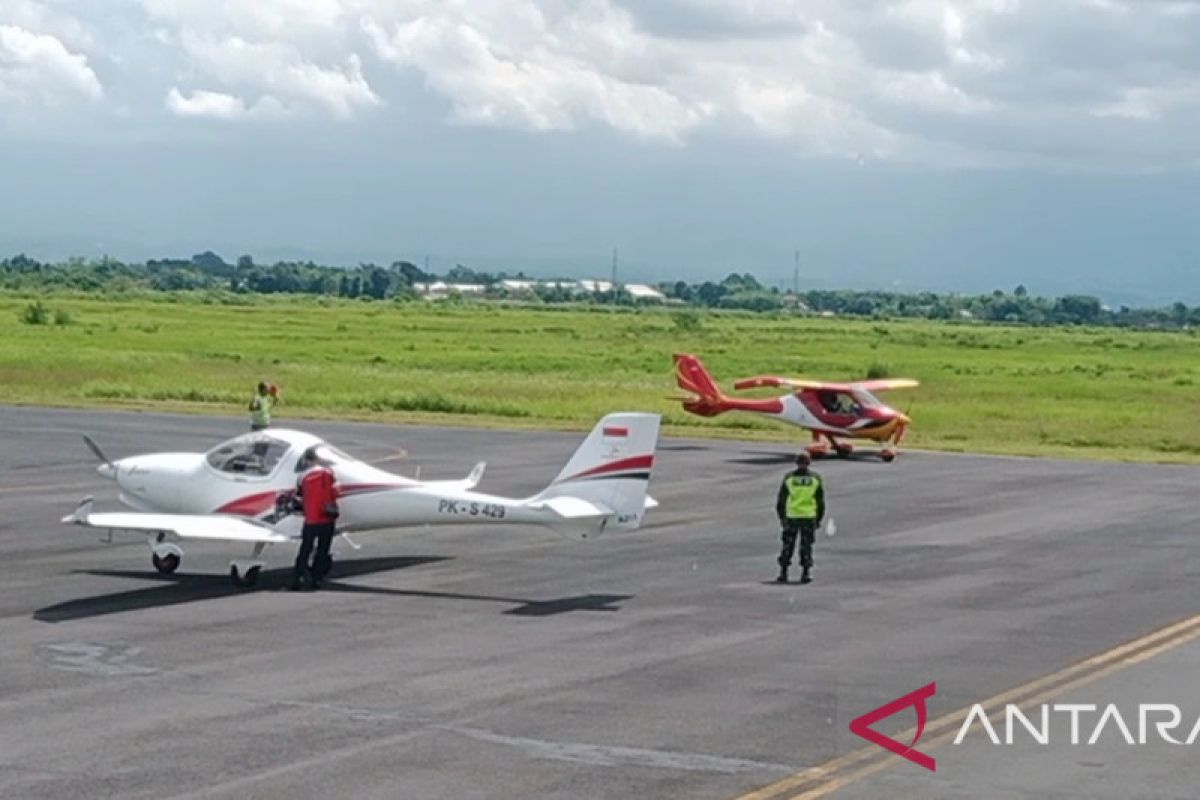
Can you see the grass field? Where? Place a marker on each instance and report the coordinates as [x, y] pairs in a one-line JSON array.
[[1098, 393]]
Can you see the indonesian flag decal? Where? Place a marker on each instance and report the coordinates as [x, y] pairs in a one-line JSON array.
[[615, 432]]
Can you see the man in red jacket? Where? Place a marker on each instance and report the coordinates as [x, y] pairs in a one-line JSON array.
[[318, 493]]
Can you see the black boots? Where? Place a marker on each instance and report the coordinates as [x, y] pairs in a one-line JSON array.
[[805, 577]]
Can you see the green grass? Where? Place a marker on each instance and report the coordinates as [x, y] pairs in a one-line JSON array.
[[1097, 393]]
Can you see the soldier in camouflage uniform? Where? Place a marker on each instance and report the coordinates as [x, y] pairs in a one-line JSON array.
[[800, 507]]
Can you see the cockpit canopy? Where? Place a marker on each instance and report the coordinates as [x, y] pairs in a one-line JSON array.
[[856, 402], [260, 454], [254, 454]]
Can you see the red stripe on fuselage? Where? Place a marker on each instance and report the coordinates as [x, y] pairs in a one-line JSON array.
[[249, 506], [252, 505], [634, 462]]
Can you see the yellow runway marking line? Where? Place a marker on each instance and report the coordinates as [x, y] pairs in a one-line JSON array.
[[1078, 674]]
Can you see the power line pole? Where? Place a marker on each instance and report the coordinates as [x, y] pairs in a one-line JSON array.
[[796, 275], [614, 270]]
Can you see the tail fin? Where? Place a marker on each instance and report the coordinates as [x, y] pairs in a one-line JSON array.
[[603, 486], [706, 399]]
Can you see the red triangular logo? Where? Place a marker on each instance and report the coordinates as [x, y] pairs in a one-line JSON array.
[[861, 726]]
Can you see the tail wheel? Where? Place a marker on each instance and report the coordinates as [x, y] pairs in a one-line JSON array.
[[246, 580], [165, 564]]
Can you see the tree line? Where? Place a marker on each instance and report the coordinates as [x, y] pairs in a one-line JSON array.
[[210, 273]]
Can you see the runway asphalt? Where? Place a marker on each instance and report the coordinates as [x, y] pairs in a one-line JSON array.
[[505, 663]]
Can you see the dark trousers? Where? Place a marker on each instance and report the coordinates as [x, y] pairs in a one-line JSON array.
[[320, 534], [806, 530]]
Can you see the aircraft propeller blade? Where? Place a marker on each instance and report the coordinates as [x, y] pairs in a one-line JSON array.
[[95, 448]]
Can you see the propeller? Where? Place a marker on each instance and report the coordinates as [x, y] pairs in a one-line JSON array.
[[95, 448], [903, 428]]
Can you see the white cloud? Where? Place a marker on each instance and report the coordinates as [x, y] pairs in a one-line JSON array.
[[281, 69], [295, 50], [1109, 83], [38, 67], [532, 77], [41, 17], [219, 105]]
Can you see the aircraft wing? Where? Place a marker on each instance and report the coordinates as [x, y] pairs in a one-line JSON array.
[[878, 385], [186, 526], [884, 384], [790, 383]]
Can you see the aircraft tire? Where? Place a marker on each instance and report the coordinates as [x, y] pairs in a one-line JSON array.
[[165, 564]]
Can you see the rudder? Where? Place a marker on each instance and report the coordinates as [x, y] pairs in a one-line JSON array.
[[612, 468], [691, 376]]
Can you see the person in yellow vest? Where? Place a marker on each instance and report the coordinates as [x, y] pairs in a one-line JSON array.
[[261, 405], [801, 507]]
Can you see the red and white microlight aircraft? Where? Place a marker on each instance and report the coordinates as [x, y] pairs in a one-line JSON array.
[[831, 411], [239, 492]]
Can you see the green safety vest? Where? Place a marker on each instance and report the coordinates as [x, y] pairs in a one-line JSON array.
[[802, 496], [261, 413]]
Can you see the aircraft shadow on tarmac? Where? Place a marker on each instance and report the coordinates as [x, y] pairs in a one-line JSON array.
[[770, 459], [179, 588], [524, 607]]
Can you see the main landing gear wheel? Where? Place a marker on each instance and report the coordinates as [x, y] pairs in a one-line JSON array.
[[165, 564], [244, 580], [844, 451], [888, 456]]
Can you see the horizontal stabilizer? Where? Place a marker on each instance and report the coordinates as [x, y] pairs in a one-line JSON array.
[[569, 507]]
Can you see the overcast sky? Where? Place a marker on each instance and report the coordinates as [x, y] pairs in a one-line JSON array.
[[957, 144]]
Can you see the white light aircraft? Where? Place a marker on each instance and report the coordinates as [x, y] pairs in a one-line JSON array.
[[239, 492]]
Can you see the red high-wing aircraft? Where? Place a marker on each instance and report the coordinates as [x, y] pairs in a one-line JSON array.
[[828, 410]]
